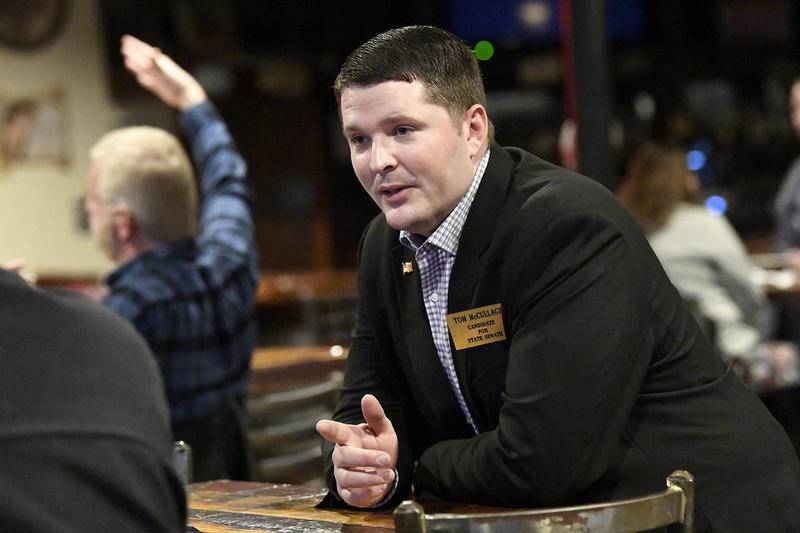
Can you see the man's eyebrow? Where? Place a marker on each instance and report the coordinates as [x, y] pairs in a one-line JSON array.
[[394, 118], [352, 128]]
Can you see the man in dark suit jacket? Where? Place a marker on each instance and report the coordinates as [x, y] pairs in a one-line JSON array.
[[517, 342]]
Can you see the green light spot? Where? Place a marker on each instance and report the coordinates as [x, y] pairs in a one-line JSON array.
[[484, 50]]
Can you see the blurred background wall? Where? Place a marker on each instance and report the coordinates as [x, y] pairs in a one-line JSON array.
[[39, 215], [707, 74]]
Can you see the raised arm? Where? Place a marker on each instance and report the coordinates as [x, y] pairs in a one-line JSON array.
[[159, 74], [226, 230]]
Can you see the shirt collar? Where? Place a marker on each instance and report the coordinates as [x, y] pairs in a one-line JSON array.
[[183, 248], [447, 235]]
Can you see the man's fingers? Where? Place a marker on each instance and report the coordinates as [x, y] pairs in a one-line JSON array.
[[138, 63], [362, 487], [134, 47], [137, 57], [366, 497], [140, 53], [142, 74], [133, 42], [356, 457], [140, 56], [356, 479], [140, 66], [337, 432], [166, 64], [374, 416]]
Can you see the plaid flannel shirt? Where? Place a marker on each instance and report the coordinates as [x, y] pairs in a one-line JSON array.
[[193, 300]]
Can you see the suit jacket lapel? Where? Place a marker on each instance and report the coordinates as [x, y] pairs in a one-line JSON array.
[[436, 397], [475, 239]]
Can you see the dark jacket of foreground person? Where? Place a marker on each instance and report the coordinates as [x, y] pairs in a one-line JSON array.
[[85, 443]]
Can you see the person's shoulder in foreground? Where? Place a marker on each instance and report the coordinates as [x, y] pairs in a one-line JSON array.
[[598, 384], [85, 443]]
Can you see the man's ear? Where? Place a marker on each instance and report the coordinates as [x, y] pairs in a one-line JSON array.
[[124, 223], [476, 124]]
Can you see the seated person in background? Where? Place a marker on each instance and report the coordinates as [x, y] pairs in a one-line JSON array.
[[85, 442], [787, 201], [186, 282], [517, 342], [708, 263], [787, 223]]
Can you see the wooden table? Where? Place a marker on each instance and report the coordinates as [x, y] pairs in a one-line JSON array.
[[238, 506], [241, 506]]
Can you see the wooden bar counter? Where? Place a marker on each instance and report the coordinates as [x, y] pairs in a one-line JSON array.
[[238, 506], [241, 506]]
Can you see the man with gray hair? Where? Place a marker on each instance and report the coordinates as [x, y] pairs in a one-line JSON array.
[[187, 282]]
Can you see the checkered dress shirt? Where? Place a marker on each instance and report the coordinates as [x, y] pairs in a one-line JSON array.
[[435, 257]]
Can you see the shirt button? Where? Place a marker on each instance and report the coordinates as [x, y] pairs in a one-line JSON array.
[[435, 297]]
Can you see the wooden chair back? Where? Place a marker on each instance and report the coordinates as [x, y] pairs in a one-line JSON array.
[[674, 506]]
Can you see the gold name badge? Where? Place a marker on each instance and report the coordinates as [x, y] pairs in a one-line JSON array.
[[475, 327]]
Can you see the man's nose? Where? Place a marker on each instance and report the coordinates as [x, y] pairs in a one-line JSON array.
[[382, 159]]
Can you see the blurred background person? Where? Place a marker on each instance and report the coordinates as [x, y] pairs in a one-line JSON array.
[[787, 224], [708, 263], [187, 282], [787, 201], [85, 441]]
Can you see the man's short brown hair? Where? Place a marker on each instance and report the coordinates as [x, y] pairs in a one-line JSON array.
[[436, 58]]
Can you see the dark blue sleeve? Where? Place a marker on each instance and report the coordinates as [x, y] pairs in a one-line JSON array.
[[226, 235]]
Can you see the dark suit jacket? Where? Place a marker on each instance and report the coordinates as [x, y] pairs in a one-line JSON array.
[[603, 386], [85, 443]]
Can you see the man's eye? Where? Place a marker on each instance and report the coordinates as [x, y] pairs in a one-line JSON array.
[[403, 130], [357, 140]]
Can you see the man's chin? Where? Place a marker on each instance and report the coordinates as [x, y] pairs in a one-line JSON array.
[[397, 218], [406, 224], [395, 225]]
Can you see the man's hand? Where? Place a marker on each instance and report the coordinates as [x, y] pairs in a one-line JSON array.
[[14, 265], [160, 75], [18, 266], [364, 456]]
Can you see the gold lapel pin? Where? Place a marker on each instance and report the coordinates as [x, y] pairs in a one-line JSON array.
[[408, 267]]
